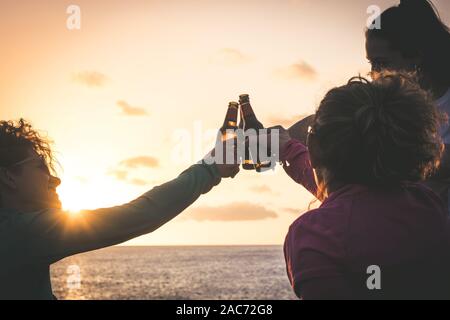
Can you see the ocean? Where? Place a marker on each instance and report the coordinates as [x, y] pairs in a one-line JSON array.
[[197, 272]]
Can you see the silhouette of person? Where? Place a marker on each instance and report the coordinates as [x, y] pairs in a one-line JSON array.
[[368, 165], [35, 232], [412, 38]]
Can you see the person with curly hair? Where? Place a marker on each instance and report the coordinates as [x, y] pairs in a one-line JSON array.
[[370, 146], [35, 232]]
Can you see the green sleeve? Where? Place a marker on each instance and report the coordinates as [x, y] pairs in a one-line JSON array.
[[54, 234]]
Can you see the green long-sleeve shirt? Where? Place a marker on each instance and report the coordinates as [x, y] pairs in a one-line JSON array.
[[30, 242]]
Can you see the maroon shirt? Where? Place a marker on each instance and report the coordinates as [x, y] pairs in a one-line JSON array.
[[401, 230]]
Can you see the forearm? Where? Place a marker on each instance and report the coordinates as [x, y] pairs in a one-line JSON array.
[[296, 163], [299, 131]]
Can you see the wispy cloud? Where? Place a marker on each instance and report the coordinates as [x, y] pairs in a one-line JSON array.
[[293, 210], [118, 174], [142, 161], [230, 57], [123, 176], [124, 170], [286, 122], [239, 211], [300, 211], [301, 70], [129, 110], [90, 78], [261, 189], [138, 182]]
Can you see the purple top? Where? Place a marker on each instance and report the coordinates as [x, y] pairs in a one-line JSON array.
[[401, 230]]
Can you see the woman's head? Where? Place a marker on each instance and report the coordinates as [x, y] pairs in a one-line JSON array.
[[27, 180], [412, 37], [375, 133]]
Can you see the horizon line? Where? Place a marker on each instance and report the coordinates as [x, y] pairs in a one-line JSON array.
[[199, 245]]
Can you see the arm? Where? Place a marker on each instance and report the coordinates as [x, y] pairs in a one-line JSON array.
[[313, 275], [299, 131], [314, 253], [296, 163], [52, 234], [322, 288], [334, 288]]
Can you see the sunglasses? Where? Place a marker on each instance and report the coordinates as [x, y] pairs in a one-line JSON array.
[[41, 159], [310, 133]]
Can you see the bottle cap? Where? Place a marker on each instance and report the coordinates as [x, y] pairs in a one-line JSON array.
[[244, 98]]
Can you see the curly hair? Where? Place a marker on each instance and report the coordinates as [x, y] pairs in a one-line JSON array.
[[16, 138], [377, 133]]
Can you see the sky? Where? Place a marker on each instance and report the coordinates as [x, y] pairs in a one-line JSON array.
[[135, 96]]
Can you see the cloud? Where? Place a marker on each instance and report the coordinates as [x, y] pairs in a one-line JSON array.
[[124, 169], [143, 161], [130, 110], [138, 182], [230, 57], [239, 211], [119, 174], [261, 189], [299, 211], [293, 210], [90, 78], [122, 175], [301, 70], [286, 122]]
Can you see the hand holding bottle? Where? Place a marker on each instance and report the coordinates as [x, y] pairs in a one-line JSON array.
[[224, 155]]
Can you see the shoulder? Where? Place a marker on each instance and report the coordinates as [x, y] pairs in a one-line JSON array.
[[18, 229], [331, 215], [16, 224]]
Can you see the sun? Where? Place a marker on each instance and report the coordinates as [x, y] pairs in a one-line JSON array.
[[73, 197]]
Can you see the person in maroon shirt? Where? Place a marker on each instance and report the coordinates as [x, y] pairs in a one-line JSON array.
[[369, 146]]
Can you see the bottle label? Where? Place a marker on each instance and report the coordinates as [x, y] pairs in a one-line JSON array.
[[247, 110]]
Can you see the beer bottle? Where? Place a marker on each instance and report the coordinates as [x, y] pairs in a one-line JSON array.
[[249, 121], [230, 122], [228, 132]]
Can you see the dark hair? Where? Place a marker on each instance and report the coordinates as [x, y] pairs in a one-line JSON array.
[[377, 133], [415, 29], [16, 138]]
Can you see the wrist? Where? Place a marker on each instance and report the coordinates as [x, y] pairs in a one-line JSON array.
[[285, 150], [213, 171]]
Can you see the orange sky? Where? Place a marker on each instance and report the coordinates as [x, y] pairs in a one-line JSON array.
[[117, 95]]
